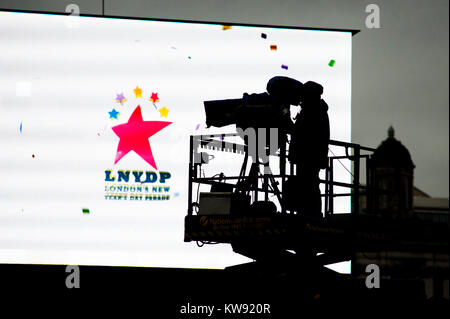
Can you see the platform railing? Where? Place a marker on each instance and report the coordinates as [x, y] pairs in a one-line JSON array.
[[353, 152]]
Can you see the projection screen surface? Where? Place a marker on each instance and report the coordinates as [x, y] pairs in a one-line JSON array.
[[96, 115]]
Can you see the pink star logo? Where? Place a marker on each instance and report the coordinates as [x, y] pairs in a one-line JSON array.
[[134, 136]]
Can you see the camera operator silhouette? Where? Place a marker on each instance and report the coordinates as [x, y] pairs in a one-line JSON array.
[[309, 147], [310, 136]]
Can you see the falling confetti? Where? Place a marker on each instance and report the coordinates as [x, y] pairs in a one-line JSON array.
[[273, 47], [176, 194], [86, 211], [226, 27], [32, 155], [263, 35], [197, 127], [331, 63], [283, 66], [189, 57], [20, 128]]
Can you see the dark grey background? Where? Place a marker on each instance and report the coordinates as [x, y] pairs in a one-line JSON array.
[[400, 71]]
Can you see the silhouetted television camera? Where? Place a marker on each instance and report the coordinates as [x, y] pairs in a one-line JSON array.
[[255, 110]]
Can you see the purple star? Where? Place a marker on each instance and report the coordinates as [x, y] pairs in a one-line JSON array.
[[120, 98]]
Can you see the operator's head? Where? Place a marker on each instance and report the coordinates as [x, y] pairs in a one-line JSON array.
[[311, 91], [285, 89]]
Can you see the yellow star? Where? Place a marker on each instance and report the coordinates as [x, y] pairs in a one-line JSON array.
[[138, 91], [164, 111]]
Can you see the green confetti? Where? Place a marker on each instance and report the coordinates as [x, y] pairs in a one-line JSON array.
[[85, 210], [331, 63]]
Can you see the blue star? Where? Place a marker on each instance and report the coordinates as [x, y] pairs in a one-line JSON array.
[[113, 114]]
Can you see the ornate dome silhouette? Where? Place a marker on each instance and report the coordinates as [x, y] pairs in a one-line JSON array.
[[392, 153]]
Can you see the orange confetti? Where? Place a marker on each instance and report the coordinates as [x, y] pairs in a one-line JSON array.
[[273, 47], [226, 27]]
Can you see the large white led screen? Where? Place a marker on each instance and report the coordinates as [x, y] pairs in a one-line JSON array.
[[77, 95]]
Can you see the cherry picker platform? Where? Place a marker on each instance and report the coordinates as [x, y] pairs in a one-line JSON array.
[[230, 212]]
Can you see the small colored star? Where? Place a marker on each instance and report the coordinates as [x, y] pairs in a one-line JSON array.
[[164, 111], [113, 114], [154, 98], [120, 98], [138, 91]]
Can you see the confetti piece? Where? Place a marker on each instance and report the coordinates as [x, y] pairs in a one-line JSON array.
[[197, 127], [222, 138], [164, 111], [86, 211], [283, 66], [331, 63], [263, 35], [226, 27], [273, 47], [20, 128], [32, 155], [155, 106], [189, 57], [176, 194]]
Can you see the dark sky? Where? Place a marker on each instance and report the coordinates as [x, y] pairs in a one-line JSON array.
[[400, 71]]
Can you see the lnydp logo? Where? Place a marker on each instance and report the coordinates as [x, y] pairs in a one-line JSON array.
[[146, 184]]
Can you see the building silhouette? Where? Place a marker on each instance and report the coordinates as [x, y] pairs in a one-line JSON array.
[[393, 197]]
